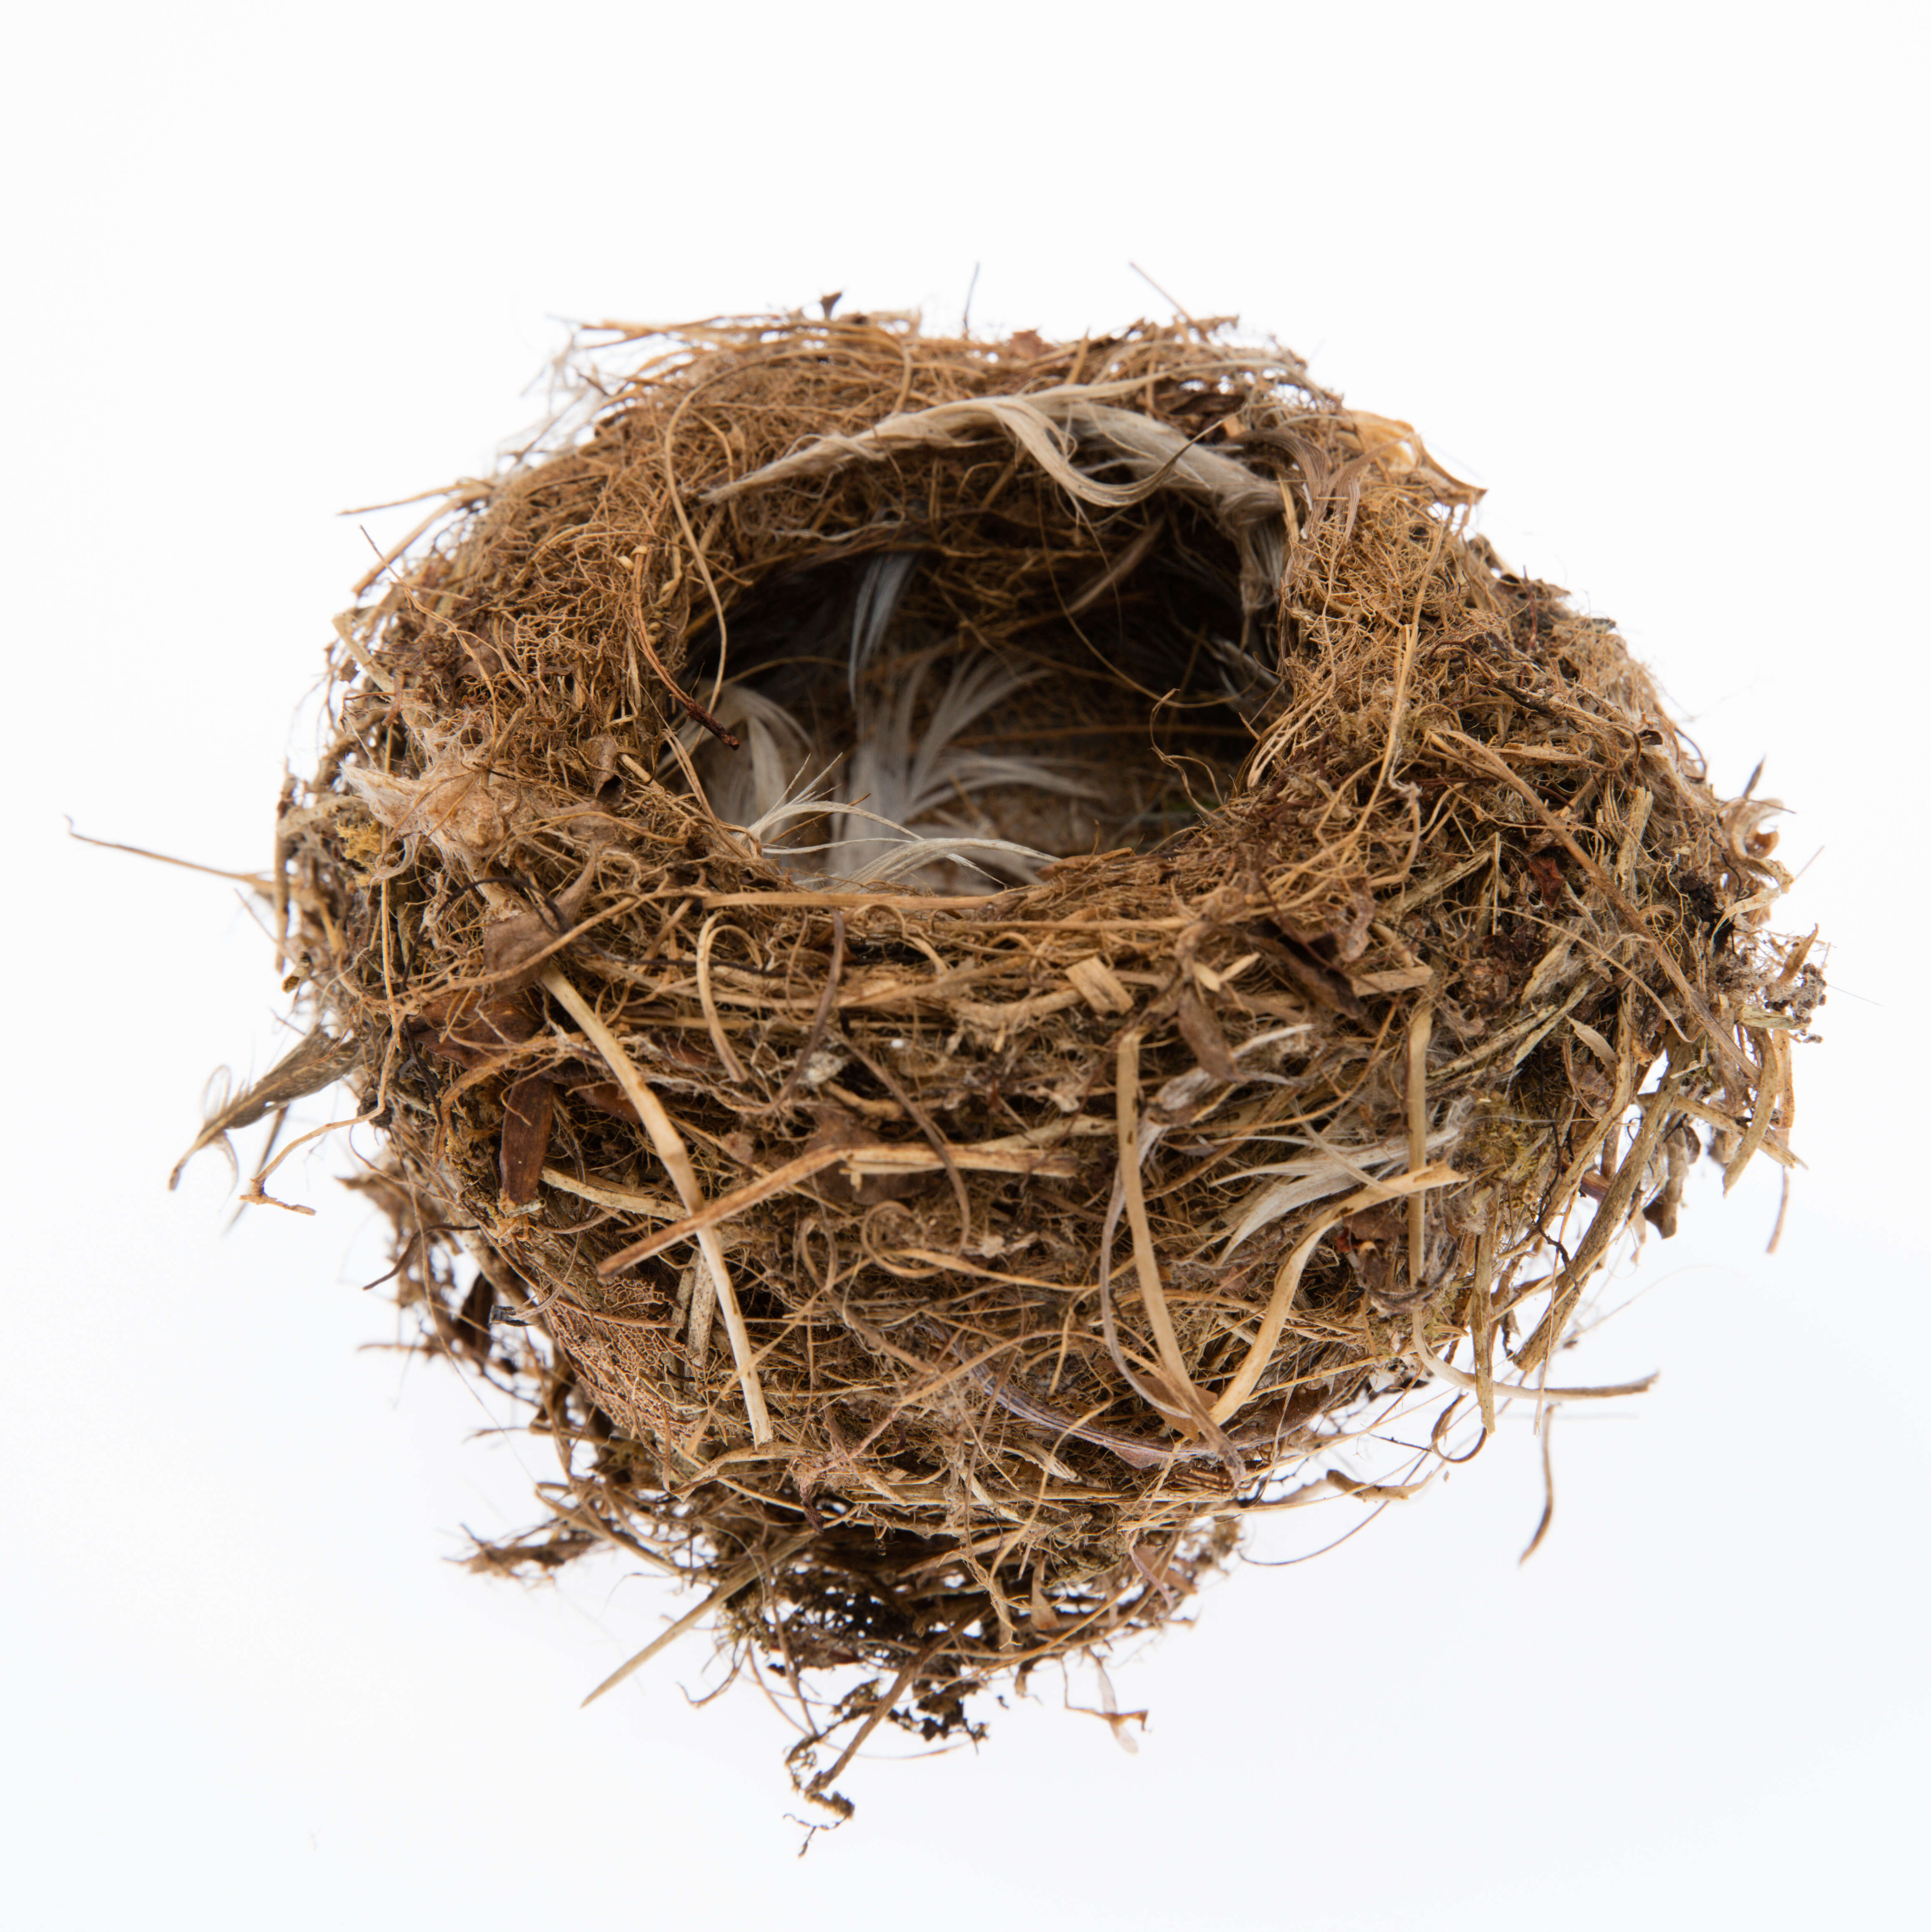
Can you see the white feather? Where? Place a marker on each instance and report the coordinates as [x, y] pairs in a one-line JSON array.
[[896, 778], [879, 590]]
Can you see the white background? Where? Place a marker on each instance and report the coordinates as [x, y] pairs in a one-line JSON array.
[[1654, 276]]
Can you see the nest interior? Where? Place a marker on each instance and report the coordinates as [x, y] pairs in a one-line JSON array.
[[972, 954]]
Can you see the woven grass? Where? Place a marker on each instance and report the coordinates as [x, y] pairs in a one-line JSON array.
[[930, 1233]]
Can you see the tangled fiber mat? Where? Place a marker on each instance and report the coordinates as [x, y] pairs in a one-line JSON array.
[[974, 956]]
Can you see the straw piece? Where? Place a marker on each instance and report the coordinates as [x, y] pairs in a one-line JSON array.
[[706, 934], [1548, 1491], [676, 1157], [734, 1581], [1447, 1372], [1419, 1029], [1770, 1092], [631, 1200], [1287, 1281], [1094, 980], [1146, 1268]]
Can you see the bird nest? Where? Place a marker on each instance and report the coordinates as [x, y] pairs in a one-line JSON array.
[[973, 955]]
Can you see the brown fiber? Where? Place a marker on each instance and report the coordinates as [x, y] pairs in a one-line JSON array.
[[929, 1252]]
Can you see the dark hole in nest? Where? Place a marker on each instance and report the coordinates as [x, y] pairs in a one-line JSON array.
[[896, 726]]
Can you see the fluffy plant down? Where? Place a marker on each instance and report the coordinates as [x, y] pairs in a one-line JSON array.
[[972, 957]]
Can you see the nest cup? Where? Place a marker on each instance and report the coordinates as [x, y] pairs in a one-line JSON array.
[[975, 956]]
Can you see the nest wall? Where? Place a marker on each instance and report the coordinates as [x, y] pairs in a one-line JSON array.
[[1317, 952]]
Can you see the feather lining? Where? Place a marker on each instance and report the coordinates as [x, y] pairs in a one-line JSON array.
[[884, 804]]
